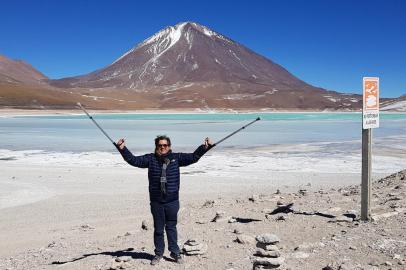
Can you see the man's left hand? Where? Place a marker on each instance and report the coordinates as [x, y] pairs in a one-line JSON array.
[[207, 143]]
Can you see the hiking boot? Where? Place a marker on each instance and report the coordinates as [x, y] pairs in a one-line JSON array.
[[177, 257], [156, 259]]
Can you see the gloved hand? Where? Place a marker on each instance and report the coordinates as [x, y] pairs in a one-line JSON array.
[[208, 143], [121, 144]]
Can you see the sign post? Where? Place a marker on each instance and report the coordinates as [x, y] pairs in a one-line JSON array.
[[370, 119]]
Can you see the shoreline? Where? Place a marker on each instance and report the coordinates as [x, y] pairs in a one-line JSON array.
[[63, 112], [18, 112]]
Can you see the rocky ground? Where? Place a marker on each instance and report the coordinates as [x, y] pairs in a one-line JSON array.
[[308, 229]]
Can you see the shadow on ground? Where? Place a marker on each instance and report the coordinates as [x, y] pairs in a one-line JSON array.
[[120, 253]]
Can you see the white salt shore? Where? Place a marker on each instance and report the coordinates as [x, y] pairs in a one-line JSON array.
[[63, 214]]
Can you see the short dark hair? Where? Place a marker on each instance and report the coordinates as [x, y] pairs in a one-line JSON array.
[[162, 137]]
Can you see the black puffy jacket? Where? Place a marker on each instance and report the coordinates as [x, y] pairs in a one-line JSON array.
[[154, 164]]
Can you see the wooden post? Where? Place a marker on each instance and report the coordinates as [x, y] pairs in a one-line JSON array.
[[366, 174]]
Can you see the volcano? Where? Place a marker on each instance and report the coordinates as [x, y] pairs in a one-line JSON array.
[[191, 66]]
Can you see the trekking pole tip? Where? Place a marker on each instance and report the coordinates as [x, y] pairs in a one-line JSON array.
[[259, 118]]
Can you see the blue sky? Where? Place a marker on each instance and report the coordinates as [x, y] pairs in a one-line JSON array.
[[330, 44]]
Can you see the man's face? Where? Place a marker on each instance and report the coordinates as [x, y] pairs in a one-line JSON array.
[[163, 147]]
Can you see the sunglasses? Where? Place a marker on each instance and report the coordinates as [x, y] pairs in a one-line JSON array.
[[163, 145]]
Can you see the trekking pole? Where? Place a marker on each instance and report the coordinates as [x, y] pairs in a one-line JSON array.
[[91, 118], [238, 130]]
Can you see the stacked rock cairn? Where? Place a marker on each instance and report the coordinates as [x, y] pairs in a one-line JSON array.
[[194, 247], [267, 254]]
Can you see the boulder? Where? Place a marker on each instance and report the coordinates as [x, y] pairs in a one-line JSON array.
[[267, 238]]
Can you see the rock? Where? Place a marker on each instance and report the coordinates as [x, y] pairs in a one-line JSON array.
[[245, 239], [280, 218], [254, 198], [194, 247], [271, 248], [396, 257], [270, 254], [208, 203], [126, 258], [300, 255], [267, 246], [198, 247], [261, 267], [52, 244], [86, 227], [192, 242], [271, 262], [327, 268], [144, 225], [267, 238], [302, 192], [400, 209], [232, 220], [197, 252], [220, 217], [127, 234], [116, 265], [344, 192]]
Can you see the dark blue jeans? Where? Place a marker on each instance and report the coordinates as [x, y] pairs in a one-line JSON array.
[[165, 216]]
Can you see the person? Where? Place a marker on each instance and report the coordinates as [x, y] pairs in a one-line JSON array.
[[164, 182]]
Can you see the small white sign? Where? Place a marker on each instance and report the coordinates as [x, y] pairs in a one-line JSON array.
[[370, 110]]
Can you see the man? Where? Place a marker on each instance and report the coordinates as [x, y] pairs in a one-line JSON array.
[[164, 182]]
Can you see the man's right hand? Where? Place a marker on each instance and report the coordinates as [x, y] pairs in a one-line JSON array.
[[121, 144]]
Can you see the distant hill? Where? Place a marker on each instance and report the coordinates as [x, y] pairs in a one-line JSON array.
[[398, 104], [17, 71]]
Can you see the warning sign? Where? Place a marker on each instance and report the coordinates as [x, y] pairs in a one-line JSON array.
[[370, 111]]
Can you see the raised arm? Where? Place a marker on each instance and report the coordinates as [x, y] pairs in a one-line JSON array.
[[186, 159], [136, 161]]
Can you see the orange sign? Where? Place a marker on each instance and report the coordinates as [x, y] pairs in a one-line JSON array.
[[370, 112], [371, 93]]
